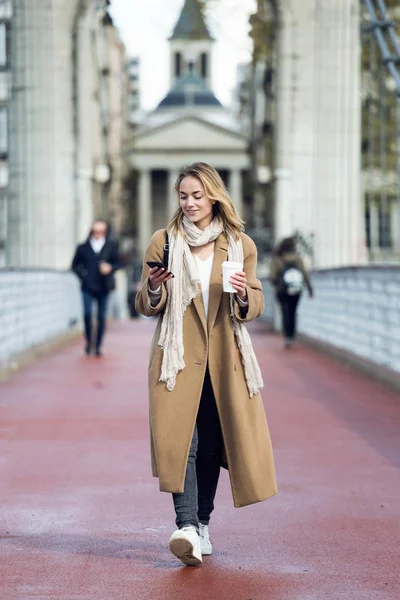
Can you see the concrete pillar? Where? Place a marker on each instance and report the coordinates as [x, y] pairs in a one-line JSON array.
[[283, 137], [172, 196], [283, 220], [61, 197], [236, 190], [84, 106], [41, 215], [145, 210], [318, 129], [31, 158]]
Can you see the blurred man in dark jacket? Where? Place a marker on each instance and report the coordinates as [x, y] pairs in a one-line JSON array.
[[95, 262]]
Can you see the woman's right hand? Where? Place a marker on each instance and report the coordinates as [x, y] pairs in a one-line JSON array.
[[157, 277]]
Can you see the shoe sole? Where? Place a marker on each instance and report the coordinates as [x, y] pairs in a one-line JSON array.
[[206, 552], [183, 549]]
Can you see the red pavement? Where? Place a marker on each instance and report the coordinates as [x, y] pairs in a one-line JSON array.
[[81, 517]]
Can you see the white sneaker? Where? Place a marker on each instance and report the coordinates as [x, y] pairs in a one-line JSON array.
[[185, 544], [205, 544]]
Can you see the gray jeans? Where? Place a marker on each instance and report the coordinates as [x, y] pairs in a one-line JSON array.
[[202, 473]]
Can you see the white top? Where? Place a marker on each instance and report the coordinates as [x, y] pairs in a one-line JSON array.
[[205, 267], [97, 244]]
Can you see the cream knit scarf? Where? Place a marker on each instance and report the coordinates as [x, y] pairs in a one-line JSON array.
[[183, 288]]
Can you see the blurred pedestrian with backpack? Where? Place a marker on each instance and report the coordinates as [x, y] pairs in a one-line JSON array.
[[289, 275]]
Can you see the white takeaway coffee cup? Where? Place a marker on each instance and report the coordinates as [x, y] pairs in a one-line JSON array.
[[229, 268]]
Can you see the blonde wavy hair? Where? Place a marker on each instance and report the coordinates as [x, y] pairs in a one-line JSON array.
[[215, 190]]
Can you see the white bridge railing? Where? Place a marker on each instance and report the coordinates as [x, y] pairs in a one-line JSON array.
[[35, 306], [356, 309]]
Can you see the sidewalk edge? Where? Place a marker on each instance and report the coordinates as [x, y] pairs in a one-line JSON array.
[[21, 360], [374, 371]]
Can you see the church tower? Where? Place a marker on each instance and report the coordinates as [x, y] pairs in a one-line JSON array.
[[191, 44], [191, 50], [189, 125]]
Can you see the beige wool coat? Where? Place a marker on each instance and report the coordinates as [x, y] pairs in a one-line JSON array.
[[248, 452]]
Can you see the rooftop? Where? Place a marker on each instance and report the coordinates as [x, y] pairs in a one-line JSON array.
[[191, 24], [189, 90]]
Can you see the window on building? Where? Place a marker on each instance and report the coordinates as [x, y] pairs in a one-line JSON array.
[[6, 9], [3, 218], [4, 86], [3, 131], [3, 174], [3, 44], [178, 64], [3, 210], [385, 233], [204, 65], [368, 226]]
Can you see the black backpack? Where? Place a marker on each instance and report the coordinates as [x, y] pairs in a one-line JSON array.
[[291, 280]]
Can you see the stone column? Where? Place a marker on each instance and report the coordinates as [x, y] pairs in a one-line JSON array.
[[235, 190], [85, 105], [172, 197], [41, 215], [145, 210], [32, 151], [284, 124], [318, 128]]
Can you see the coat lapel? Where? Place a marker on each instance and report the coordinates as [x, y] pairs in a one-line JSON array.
[[199, 306], [104, 252], [220, 254], [216, 289]]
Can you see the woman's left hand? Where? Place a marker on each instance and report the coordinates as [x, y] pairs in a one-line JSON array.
[[239, 282]]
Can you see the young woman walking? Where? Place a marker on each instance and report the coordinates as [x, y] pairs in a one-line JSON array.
[[204, 380]]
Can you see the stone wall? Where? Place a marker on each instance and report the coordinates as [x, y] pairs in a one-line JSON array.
[[35, 306], [355, 309], [269, 314]]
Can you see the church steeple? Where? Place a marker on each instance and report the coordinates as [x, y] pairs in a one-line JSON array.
[[191, 44], [191, 24]]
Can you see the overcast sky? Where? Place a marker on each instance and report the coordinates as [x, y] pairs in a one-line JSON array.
[[145, 26]]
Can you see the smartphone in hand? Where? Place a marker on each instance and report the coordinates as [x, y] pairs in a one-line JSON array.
[[160, 265]]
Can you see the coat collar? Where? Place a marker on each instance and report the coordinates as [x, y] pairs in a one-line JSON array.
[[216, 289]]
